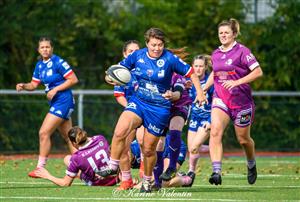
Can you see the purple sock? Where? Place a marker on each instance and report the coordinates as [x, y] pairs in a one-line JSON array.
[[217, 166], [175, 143], [158, 169]]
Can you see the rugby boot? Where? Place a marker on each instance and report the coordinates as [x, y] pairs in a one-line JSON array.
[[125, 185], [32, 173], [252, 175], [106, 172], [215, 178], [146, 187], [192, 175], [168, 174]]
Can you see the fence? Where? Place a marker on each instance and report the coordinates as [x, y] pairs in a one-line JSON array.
[[277, 125]]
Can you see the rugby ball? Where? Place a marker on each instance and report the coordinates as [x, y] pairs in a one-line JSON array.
[[119, 74]]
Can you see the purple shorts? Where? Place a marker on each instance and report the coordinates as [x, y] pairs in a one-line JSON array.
[[181, 111], [242, 116]]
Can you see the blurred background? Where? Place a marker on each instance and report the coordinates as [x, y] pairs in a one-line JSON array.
[[89, 34]]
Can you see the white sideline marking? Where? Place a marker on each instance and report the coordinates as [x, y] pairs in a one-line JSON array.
[[195, 185], [116, 199]]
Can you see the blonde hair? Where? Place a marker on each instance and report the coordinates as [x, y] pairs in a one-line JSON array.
[[205, 58], [77, 135], [233, 24]]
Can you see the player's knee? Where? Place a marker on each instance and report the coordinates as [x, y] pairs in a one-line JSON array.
[[120, 133], [215, 132], [244, 140], [149, 152], [43, 134]]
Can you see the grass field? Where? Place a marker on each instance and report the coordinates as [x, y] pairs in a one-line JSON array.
[[278, 180]]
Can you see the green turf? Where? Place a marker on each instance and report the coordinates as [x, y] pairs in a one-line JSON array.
[[278, 180]]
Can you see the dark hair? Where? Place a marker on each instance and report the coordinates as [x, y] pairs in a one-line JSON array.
[[154, 33], [205, 58], [44, 38], [125, 46], [77, 135], [233, 24]]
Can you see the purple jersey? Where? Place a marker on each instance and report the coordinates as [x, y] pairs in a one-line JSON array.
[[178, 80], [93, 155], [233, 64]]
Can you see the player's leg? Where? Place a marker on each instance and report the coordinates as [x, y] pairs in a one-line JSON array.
[[159, 166], [175, 128], [63, 129], [247, 143], [219, 121], [128, 121], [49, 125], [149, 150], [125, 165], [139, 137]]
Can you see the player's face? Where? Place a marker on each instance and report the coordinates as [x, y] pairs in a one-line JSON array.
[[130, 48], [226, 35], [45, 49], [155, 47], [199, 67]]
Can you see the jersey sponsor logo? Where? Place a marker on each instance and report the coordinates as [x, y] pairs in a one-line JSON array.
[[250, 57], [154, 128], [52, 109], [245, 116], [229, 61], [101, 143], [160, 63], [40, 66], [141, 60], [66, 65], [152, 87], [49, 72], [131, 105], [223, 56], [150, 72], [49, 64], [161, 73]]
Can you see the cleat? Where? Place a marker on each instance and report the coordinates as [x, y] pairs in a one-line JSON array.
[[168, 174], [181, 173], [215, 178], [192, 175], [125, 185], [32, 173], [146, 187], [106, 172], [252, 175]]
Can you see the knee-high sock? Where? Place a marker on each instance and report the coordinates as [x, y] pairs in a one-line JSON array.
[[158, 169], [175, 143], [193, 161]]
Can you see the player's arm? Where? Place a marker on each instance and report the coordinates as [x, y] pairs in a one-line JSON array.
[[200, 93], [27, 86], [122, 100], [209, 82], [71, 80], [65, 181], [253, 75]]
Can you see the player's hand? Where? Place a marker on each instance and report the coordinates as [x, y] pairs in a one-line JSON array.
[[229, 84], [188, 84], [168, 95], [51, 94], [201, 98], [20, 86]]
